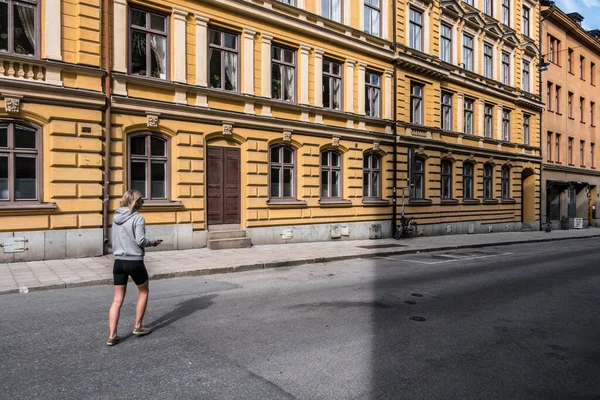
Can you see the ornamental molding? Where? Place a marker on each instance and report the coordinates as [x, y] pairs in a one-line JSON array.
[[335, 141], [12, 104], [287, 136], [376, 146], [152, 120], [227, 128]]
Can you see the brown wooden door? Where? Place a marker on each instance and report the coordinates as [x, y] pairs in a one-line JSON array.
[[223, 183]]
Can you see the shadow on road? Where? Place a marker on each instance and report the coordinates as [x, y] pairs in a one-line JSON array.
[[183, 310]]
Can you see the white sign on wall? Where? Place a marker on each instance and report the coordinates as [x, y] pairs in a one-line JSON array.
[[578, 223]]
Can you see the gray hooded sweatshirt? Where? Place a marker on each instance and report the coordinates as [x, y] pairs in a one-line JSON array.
[[129, 235]]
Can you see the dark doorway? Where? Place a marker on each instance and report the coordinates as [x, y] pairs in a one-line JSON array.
[[223, 183]]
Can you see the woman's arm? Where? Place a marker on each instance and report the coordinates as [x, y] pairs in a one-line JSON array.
[[140, 233]]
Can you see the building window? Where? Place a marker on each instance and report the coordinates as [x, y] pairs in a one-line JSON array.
[[416, 103], [549, 146], [20, 162], [332, 9], [288, 2], [506, 12], [526, 21], [488, 7], [526, 80], [505, 68], [331, 174], [592, 112], [416, 29], [570, 60], [488, 120], [488, 61], [332, 85], [549, 97], [283, 73], [446, 111], [593, 73], [282, 172], [488, 182], [557, 148], [582, 67], [526, 132], [372, 176], [505, 184], [581, 107], [469, 2], [557, 99], [372, 17], [570, 151], [570, 105], [554, 50], [468, 116], [468, 52], [446, 43], [467, 181], [223, 60], [592, 154], [148, 35], [19, 27], [418, 179], [446, 176], [582, 153], [148, 165], [373, 94], [506, 125]]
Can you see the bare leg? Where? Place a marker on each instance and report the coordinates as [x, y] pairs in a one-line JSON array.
[[141, 304], [115, 310]]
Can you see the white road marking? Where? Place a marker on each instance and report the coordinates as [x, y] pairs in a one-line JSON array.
[[456, 259]]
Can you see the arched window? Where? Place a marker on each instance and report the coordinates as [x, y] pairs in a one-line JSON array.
[[331, 174], [505, 183], [446, 177], [488, 182], [20, 163], [282, 172], [418, 179], [372, 176], [149, 165], [467, 181]]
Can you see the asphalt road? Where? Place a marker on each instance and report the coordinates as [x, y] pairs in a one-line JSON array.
[[513, 322]]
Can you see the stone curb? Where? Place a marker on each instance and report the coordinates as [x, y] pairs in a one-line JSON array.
[[289, 263]]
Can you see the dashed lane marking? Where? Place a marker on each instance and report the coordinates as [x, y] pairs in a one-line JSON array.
[[455, 259]]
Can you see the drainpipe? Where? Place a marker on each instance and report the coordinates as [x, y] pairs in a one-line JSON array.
[[542, 188], [394, 130], [106, 56]]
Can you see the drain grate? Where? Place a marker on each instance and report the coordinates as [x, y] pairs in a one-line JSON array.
[[381, 246]]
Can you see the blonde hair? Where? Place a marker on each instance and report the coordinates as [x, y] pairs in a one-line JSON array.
[[130, 199]]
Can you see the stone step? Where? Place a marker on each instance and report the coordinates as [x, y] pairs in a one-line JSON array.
[[233, 243], [226, 234], [223, 227]]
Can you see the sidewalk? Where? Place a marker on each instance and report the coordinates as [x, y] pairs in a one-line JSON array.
[[56, 274]]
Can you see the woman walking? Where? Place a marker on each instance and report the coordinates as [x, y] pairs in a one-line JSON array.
[[128, 243]]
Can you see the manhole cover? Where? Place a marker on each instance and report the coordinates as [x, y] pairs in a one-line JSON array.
[[381, 246], [410, 302], [418, 319], [416, 294]]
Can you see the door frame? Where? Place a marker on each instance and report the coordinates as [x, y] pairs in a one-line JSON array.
[[223, 197]]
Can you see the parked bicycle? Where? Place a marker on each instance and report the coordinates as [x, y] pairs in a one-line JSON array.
[[406, 229]]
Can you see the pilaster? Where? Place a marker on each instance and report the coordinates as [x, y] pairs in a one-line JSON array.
[[179, 44], [304, 74], [318, 77], [120, 36], [52, 30], [248, 54], [201, 50], [349, 78], [361, 87]]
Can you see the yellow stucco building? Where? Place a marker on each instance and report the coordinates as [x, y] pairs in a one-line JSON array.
[[272, 118], [468, 114]]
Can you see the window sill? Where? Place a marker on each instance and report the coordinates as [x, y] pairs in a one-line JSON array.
[[571, 118], [335, 203], [490, 201], [558, 113], [471, 201], [376, 202], [508, 201], [571, 165], [286, 203], [420, 202], [449, 201], [28, 208], [160, 205]]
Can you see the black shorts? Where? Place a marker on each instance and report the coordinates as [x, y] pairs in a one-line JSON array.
[[126, 268]]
